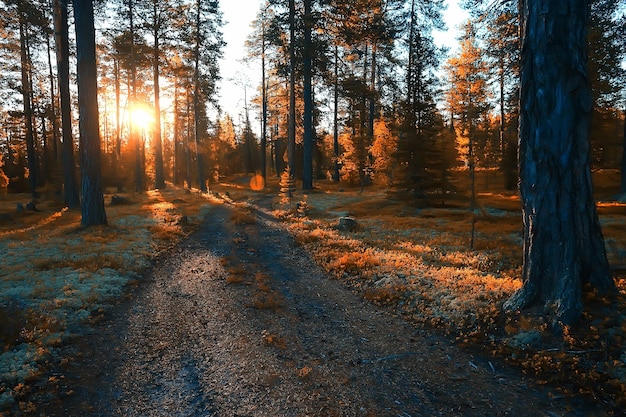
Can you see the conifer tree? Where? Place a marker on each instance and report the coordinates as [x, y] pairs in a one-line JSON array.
[[563, 244], [92, 208]]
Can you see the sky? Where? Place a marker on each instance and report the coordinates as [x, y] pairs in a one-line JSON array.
[[238, 16]]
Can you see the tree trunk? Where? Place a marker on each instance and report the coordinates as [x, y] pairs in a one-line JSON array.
[[56, 149], [188, 144], [308, 138], [61, 38], [159, 175], [134, 133], [623, 185], [196, 103], [291, 128], [118, 124], [28, 110], [263, 107], [563, 244], [336, 115], [93, 212], [175, 159]]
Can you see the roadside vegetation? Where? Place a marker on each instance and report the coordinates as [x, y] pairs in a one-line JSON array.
[[58, 278]]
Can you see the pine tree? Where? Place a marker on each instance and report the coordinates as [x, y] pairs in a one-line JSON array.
[[563, 244], [61, 29], [92, 208]]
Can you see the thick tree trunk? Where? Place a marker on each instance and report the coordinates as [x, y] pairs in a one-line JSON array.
[[61, 38], [93, 212], [563, 244], [308, 138]]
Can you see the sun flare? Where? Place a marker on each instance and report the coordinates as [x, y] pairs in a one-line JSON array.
[[141, 117]]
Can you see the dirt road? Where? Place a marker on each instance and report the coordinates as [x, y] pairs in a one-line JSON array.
[[239, 321]]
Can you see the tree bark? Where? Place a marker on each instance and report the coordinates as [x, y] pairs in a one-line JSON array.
[[336, 115], [135, 138], [308, 137], [56, 149], [61, 38], [291, 128], [159, 175], [563, 243], [93, 212], [263, 105], [623, 184], [196, 104], [27, 105]]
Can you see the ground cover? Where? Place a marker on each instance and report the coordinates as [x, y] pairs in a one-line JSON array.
[[56, 278], [418, 261]]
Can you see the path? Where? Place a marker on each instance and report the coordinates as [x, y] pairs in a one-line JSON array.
[[285, 341]]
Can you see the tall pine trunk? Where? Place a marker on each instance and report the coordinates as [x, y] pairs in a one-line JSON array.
[[563, 244], [56, 149], [291, 128], [308, 137], [336, 115], [135, 138], [159, 175], [27, 105], [93, 212], [196, 104], [263, 107], [61, 39], [623, 185]]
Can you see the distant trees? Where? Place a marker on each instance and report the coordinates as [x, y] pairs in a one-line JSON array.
[[358, 64], [358, 101]]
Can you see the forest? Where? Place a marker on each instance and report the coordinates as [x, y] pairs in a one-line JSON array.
[[355, 93], [482, 165]]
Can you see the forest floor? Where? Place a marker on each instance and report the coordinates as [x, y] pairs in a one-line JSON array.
[[242, 303]]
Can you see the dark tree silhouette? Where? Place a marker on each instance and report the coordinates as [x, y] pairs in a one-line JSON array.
[[307, 172], [563, 243], [61, 36], [93, 212]]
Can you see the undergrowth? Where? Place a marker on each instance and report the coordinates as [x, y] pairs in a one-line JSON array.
[[418, 262]]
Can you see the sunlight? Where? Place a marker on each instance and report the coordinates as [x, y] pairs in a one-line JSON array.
[[141, 117]]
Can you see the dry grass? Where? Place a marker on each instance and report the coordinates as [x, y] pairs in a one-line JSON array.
[[242, 217], [418, 262], [57, 275]]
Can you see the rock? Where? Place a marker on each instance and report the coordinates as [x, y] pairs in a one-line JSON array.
[[32, 206], [116, 200], [525, 340], [347, 224]]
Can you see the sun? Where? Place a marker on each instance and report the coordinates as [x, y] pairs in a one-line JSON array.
[[141, 117]]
